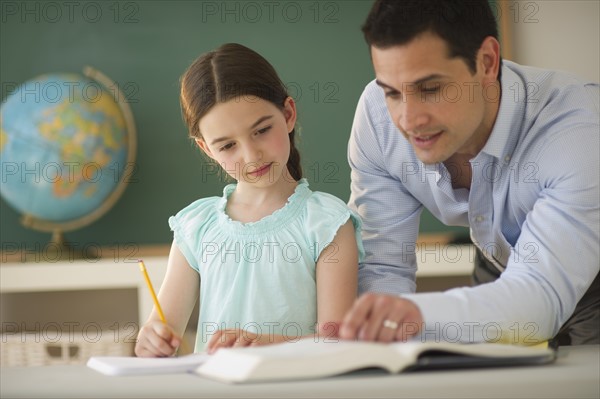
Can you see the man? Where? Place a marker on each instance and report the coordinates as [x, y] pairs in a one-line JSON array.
[[510, 151]]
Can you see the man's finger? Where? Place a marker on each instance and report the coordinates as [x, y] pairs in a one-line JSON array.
[[356, 316], [379, 320]]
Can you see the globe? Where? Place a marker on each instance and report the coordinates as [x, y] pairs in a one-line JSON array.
[[67, 147]]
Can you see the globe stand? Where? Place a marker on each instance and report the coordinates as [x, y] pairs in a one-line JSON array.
[[57, 249]]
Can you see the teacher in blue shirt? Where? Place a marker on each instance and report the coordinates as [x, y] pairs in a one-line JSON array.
[[508, 150]]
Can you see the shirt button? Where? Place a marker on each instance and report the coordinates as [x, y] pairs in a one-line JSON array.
[[507, 158], [479, 219]]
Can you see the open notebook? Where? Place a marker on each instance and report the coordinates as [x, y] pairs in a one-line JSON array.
[[122, 365]]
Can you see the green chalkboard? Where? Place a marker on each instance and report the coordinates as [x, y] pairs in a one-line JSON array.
[[144, 46]]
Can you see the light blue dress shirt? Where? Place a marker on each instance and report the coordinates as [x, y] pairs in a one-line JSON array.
[[533, 208]]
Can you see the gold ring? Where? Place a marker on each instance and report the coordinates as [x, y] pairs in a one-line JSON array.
[[390, 324]]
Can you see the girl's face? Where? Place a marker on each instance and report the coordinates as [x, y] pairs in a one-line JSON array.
[[249, 138]]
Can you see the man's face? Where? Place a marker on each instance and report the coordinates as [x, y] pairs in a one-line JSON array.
[[438, 104]]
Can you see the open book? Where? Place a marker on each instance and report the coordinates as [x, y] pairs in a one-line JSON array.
[[122, 365], [309, 359]]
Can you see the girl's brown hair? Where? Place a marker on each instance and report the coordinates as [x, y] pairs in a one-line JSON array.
[[232, 71]]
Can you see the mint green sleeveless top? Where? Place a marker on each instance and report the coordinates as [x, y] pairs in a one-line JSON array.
[[260, 276]]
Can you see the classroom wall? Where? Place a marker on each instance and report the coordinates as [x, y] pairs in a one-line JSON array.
[[317, 47], [144, 46], [563, 34]]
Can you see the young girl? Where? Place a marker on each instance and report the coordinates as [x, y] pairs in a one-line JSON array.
[[271, 259]]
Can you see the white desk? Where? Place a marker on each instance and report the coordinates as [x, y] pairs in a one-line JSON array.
[[575, 374]]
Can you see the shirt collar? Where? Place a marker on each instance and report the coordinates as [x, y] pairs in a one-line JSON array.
[[506, 130]]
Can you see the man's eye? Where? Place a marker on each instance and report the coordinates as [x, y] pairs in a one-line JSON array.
[[430, 89], [392, 94]]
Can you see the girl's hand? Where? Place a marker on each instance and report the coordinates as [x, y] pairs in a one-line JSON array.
[[240, 338], [156, 339]]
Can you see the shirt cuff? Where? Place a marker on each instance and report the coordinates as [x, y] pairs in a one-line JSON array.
[[444, 322]]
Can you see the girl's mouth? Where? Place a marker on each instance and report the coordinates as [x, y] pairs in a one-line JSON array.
[[261, 171]]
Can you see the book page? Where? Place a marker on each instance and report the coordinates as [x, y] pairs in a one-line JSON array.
[[296, 360], [122, 365]]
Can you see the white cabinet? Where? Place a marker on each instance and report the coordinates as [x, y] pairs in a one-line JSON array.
[[85, 274]]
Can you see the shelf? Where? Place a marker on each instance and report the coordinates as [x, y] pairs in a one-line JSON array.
[[85, 275]]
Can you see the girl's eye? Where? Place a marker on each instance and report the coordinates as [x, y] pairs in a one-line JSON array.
[[226, 147], [264, 130]]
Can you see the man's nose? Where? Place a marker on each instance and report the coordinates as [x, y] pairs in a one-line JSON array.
[[410, 114]]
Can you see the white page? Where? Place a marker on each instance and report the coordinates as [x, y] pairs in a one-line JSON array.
[[122, 365]]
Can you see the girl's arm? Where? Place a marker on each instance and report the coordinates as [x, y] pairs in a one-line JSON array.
[[337, 280], [177, 297]]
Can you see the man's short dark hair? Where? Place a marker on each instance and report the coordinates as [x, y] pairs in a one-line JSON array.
[[462, 24]]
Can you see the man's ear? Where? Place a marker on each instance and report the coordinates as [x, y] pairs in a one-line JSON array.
[[289, 112], [489, 58], [204, 147]]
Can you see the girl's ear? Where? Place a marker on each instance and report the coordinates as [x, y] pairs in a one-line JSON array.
[[289, 112], [202, 144]]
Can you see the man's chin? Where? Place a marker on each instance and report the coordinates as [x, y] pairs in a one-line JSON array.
[[429, 159]]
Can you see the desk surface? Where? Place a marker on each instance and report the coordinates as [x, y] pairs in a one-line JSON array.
[[575, 374]]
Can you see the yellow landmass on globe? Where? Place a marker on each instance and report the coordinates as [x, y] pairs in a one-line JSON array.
[[90, 191], [62, 188], [113, 113], [3, 137], [83, 167]]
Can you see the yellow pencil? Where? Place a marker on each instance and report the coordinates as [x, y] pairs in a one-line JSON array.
[[149, 283]]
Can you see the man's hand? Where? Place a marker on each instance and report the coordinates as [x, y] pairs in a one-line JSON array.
[[382, 318]]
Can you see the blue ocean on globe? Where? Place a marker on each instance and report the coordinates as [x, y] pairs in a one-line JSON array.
[[63, 147]]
